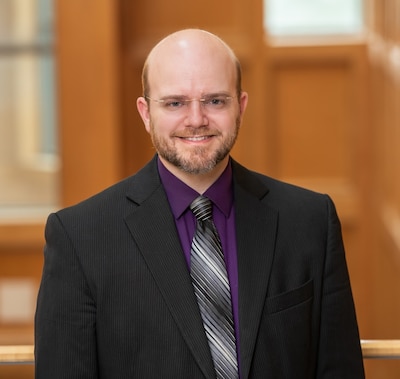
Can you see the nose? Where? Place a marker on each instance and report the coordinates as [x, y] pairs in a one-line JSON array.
[[196, 116]]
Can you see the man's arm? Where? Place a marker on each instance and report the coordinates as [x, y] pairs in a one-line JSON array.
[[65, 345], [339, 349]]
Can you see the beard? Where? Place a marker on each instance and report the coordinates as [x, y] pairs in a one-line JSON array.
[[197, 159]]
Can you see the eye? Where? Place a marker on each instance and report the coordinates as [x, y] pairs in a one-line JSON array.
[[173, 103], [216, 101]]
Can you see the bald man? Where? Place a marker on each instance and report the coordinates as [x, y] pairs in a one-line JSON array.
[[120, 295]]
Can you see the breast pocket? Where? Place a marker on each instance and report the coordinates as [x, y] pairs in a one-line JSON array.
[[285, 334], [290, 299]]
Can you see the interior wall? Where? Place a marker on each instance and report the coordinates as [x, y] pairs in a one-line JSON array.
[[309, 121], [89, 96], [384, 184], [318, 118]]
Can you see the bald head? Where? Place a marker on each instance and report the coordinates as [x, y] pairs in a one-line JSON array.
[[193, 105], [193, 49]]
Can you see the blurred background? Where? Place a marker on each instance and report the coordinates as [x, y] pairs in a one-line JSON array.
[[323, 78]]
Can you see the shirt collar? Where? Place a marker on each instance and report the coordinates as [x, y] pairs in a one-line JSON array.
[[180, 195]]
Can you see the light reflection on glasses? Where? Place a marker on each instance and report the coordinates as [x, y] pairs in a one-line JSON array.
[[209, 103]]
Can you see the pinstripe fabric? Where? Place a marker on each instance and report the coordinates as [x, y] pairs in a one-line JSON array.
[[211, 286]]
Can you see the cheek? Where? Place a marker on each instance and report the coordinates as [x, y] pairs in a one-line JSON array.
[[160, 126], [228, 123], [147, 126]]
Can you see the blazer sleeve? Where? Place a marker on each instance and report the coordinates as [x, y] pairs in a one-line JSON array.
[[65, 342], [339, 346]]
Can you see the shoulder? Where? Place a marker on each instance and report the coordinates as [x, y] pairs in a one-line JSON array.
[[288, 199], [118, 199], [270, 188]]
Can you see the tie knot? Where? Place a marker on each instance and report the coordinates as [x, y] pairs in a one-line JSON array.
[[201, 208]]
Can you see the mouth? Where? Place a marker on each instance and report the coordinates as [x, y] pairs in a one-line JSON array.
[[196, 139]]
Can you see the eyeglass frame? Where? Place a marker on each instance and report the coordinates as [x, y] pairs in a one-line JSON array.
[[185, 102]]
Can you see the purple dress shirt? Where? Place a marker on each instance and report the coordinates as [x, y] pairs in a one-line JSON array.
[[220, 193]]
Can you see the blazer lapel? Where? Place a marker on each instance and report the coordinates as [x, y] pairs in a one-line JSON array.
[[256, 225], [153, 229]]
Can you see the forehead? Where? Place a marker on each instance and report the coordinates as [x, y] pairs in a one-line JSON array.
[[191, 66]]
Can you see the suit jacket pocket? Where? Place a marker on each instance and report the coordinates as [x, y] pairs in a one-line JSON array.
[[285, 344], [290, 299]]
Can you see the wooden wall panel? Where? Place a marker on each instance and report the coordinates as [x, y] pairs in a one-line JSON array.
[[87, 55], [318, 126], [384, 194], [314, 136]]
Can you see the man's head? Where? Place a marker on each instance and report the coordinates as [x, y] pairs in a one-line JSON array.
[[193, 103], [176, 35]]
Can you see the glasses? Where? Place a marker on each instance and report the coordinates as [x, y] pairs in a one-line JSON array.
[[210, 103]]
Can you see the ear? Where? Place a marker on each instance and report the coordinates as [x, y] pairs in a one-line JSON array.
[[244, 97], [143, 109]]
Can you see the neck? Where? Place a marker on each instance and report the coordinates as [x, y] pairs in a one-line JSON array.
[[199, 182]]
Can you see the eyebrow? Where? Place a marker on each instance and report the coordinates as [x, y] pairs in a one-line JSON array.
[[184, 97]]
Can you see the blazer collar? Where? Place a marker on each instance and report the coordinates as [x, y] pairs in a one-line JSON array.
[[256, 226], [165, 259]]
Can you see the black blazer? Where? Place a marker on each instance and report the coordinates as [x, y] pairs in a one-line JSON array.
[[116, 299]]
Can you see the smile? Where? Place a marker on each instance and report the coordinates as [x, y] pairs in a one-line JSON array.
[[196, 139]]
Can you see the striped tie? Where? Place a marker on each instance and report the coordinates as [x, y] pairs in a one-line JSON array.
[[211, 286]]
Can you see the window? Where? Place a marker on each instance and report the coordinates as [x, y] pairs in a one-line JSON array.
[[29, 163], [313, 17]]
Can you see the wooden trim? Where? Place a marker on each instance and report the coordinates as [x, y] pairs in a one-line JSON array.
[[381, 349], [371, 349], [17, 354]]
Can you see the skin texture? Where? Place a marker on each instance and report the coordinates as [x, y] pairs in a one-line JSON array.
[[195, 144]]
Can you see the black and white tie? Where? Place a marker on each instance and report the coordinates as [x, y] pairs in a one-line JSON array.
[[211, 286]]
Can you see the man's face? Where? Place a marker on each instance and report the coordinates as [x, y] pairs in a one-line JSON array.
[[194, 136]]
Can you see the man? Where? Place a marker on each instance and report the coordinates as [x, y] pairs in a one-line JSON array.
[[124, 293]]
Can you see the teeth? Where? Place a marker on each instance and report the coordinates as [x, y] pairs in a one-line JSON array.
[[194, 139]]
